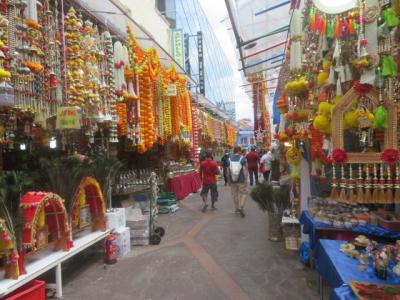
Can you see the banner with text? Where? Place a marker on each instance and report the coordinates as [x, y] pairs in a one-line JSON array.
[[177, 46]]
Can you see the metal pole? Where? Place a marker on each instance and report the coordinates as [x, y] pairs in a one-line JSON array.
[[271, 8], [265, 49], [236, 33]]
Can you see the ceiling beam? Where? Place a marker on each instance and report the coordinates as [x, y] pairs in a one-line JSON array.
[[236, 33], [267, 9], [265, 49]]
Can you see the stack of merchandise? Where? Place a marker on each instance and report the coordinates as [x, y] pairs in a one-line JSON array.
[[116, 222], [139, 226], [167, 203]]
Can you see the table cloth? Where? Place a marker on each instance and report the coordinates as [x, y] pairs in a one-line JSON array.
[[310, 226], [337, 269], [184, 185]]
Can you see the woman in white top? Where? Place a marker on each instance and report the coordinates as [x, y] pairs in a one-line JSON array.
[[267, 159]]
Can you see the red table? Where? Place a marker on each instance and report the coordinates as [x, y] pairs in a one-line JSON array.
[[183, 185]]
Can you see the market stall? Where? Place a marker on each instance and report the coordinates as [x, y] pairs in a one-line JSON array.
[[84, 104], [338, 102]]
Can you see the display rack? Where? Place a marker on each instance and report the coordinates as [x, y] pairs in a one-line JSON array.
[[46, 260]]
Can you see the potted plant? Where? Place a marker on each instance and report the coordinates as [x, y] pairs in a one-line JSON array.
[[12, 186], [273, 199]]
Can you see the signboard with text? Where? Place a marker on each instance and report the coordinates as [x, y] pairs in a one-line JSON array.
[[201, 62], [171, 90], [68, 118], [177, 46]]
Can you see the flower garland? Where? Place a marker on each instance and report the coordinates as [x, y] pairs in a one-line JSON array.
[[122, 112]]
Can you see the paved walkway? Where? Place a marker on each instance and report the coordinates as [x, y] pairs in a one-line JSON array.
[[216, 255]]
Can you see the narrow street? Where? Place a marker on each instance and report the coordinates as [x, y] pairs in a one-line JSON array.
[[216, 255]]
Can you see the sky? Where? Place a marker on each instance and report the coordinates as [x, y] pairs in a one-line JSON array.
[[216, 13]]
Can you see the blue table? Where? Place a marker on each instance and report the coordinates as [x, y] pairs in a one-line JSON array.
[[338, 269], [343, 292], [310, 227]]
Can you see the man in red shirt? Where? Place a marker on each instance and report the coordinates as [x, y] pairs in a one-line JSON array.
[[253, 161], [208, 170]]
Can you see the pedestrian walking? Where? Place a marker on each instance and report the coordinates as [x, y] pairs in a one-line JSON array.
[[253, 161], [225, 166], [238, 178], [267, 159], [208, 171]]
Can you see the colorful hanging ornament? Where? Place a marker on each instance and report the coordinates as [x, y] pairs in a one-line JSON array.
[[375, 186], [367, 184], [360, 186], [396, 199], [343, 186], [334, 193]]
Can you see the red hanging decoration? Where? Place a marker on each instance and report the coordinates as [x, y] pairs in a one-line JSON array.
[[362, 88], [339, 156], [390, 156], [324, 24]]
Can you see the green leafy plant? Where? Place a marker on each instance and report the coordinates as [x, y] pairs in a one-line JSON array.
[[104, 169], [62, 176], [13, 185], [262, 194], [270, 198]]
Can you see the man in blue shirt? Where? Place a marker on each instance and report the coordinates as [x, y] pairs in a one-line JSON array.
[[238, 179]]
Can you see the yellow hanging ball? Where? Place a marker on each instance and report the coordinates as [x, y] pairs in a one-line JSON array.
[[322, 78], [321, 123], [326, 64], [325, 108], [371, 117], [350, 119]]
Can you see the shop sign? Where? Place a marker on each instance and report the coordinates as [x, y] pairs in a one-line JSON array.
[[171, 90], [201, 62], [177, 46], [68, 118]]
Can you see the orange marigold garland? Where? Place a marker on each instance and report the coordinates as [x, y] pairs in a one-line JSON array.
[[122, 113]]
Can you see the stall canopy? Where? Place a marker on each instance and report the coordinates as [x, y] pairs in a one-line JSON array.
[[260, 30]]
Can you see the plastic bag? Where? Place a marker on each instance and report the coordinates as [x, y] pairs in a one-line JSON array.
[[304, 253]]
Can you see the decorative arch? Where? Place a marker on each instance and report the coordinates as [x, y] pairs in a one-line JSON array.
[[390, 136], [46, 221], [89, 199]]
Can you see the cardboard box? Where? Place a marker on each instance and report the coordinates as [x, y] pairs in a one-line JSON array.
[[123, 241], [116, 218], [144, 241], [135, 220], [139, 233]]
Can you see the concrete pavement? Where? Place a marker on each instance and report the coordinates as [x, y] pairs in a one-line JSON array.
[[217, 255]]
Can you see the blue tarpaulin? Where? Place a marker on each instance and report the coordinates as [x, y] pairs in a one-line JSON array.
[[275, 111]]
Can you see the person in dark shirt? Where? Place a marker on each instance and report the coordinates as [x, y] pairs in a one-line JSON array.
[[253, 161], [208, 170], [225, 166]]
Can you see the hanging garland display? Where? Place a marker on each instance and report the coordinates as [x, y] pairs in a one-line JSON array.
[[339, 90], [74, 61]]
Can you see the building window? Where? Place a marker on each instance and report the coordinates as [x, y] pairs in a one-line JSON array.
[[160, 5], [244, 140], [252, 141]]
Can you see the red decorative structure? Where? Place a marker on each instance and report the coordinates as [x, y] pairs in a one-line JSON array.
[[88, 206], [46, 222]]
